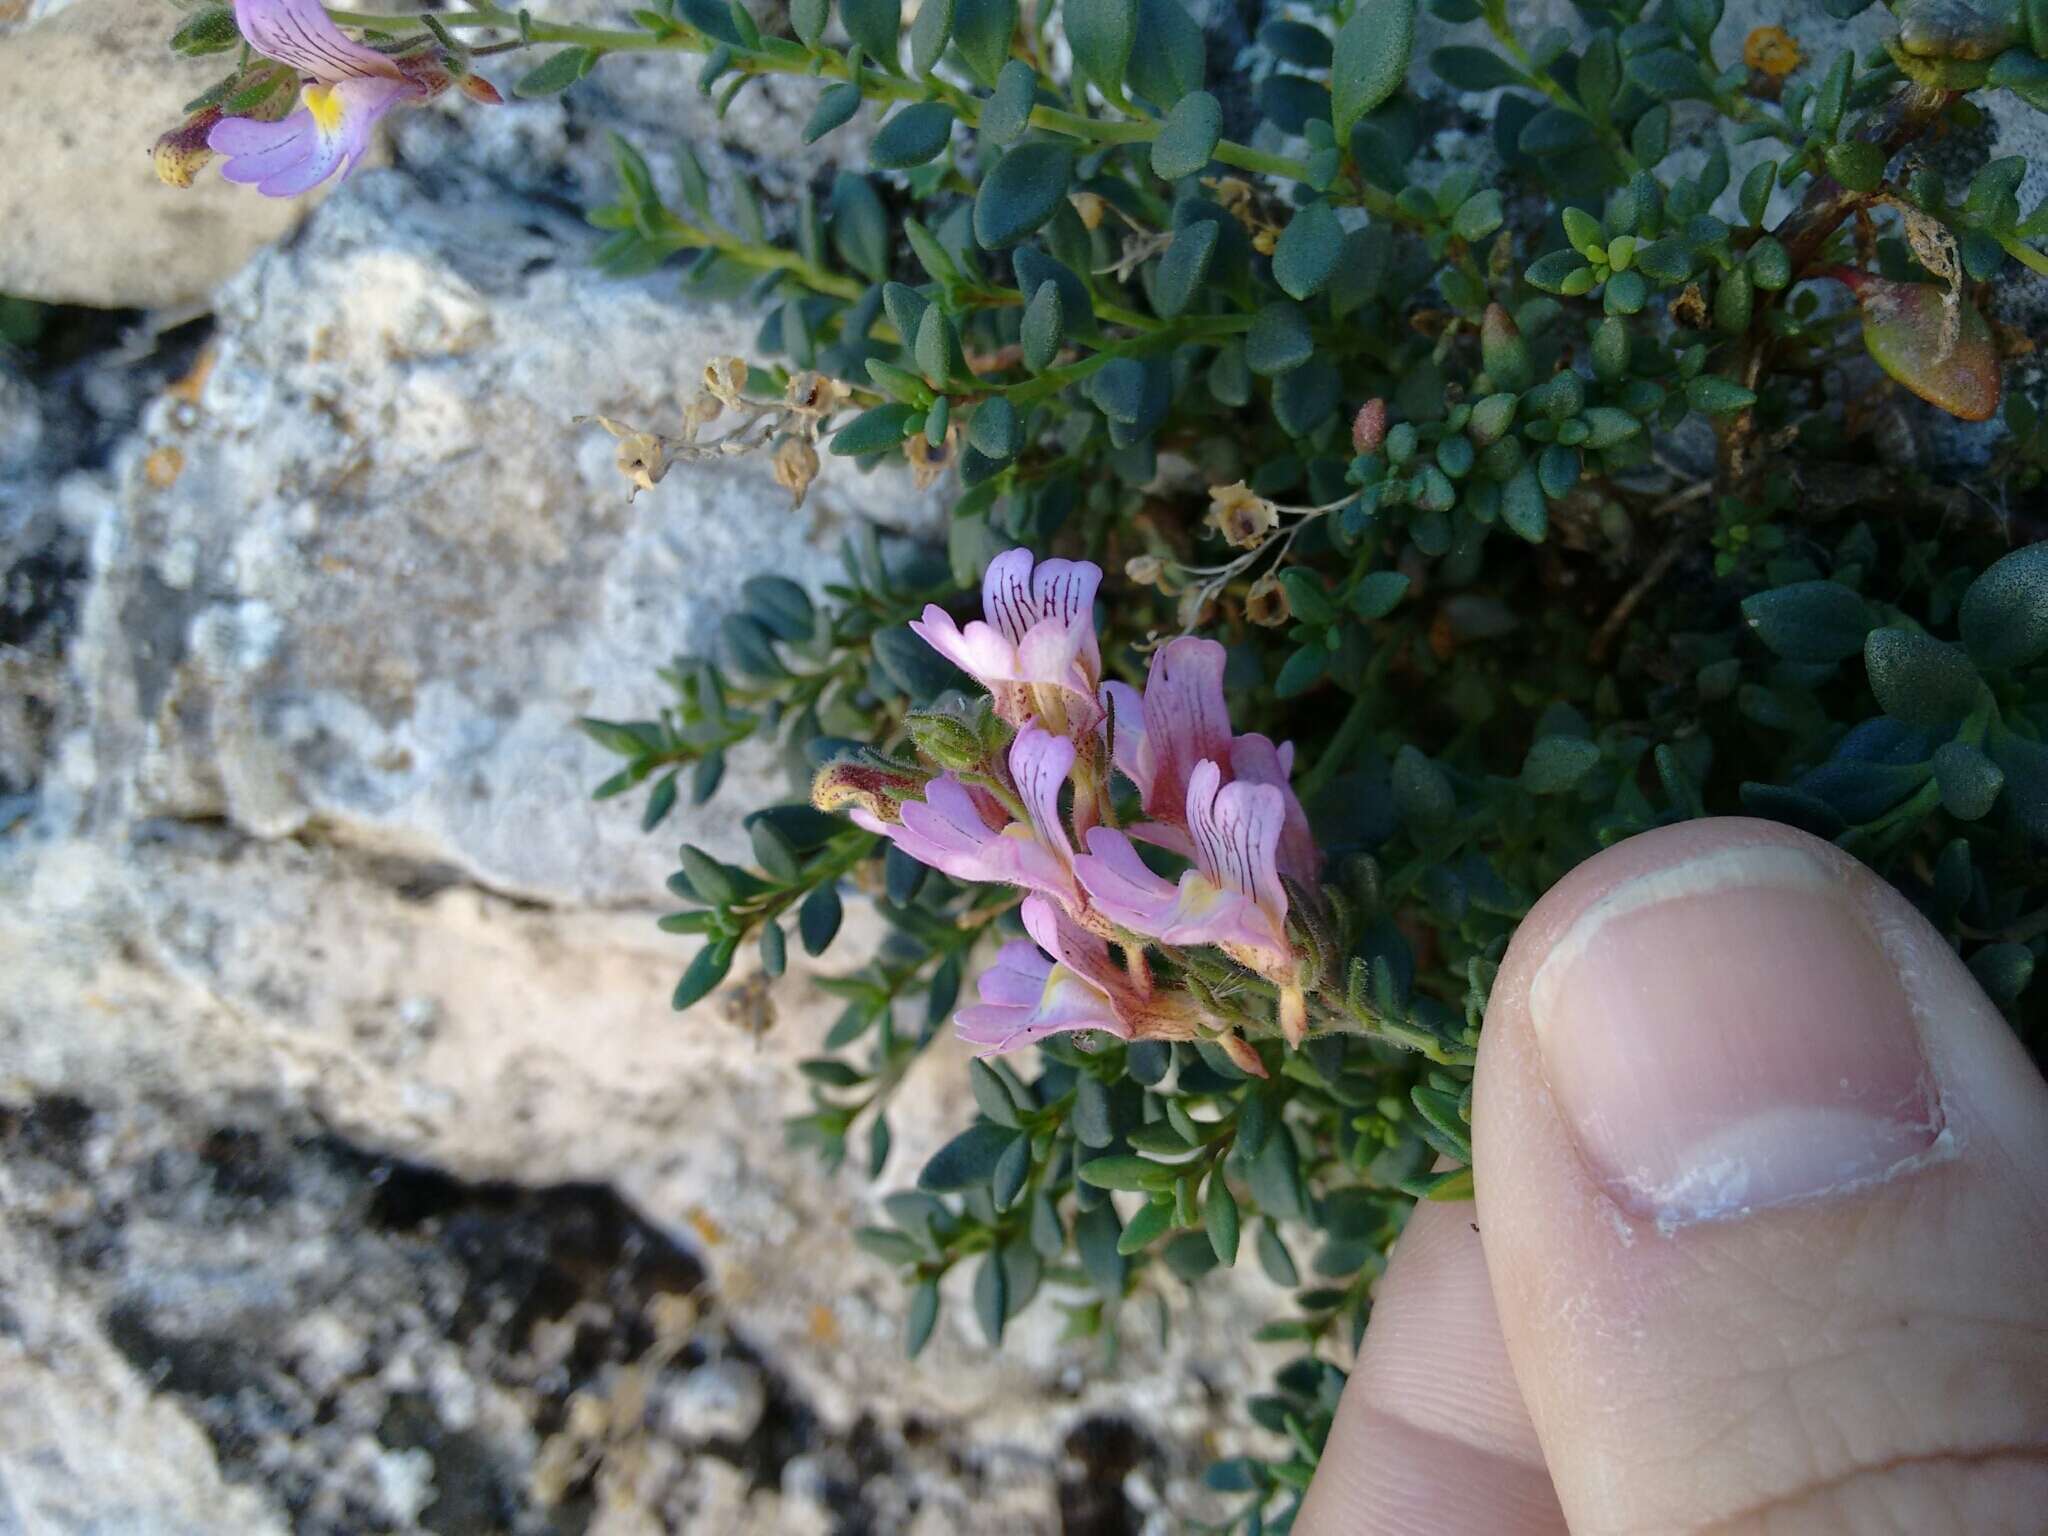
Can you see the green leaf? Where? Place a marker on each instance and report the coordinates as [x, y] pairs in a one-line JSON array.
[[919, 1318], [1166, 59], [1044, 327], [556, 73], [1523, 506], [1717, 395], [1220, 1219], [1557, 763], [1279, 339], [1371, 58], [705, 972], [874, 25], [1144, 1228], [1809, 621], [807, 18], [1124, 1172], [1969, 781], [817, 920], [1379, 594], [860, 227], [1185, 267], [1473, 69], [874, 431], [1755, 196], [1101, 33], [1422, 793], [917, 133], [1012, 1169], [929, 33], [1478, 216], [1307, 252], [991, 1297], [1096, 1234], [1665, 74], [1919, 680], [1856, 165], [2005, 611], [982, 33], [1024, 189], [968, 1160], [992, 1095], [1007, 112], [1274, 1258], [1187, 137], [993, 429], [937, 348]]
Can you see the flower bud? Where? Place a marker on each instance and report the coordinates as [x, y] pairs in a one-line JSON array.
[[867, 785], [480, 90], [182, 153], [1145, 570], [946, 739], [1369, 426]]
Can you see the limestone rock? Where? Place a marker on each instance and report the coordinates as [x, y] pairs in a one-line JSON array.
[[360, 573]]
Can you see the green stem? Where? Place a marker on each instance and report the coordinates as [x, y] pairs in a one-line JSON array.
[[780, 56]]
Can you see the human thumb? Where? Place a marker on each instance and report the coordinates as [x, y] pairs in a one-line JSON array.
[[1763, 1194]]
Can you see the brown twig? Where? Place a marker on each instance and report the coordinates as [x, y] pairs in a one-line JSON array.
[[1658, 568]]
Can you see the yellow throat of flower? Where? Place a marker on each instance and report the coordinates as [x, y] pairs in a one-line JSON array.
[[325, 103]]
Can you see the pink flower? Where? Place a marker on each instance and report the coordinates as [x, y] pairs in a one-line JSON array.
[[1255, 760], [347, 88], [1025, 996], [1232, 898], [965, 832], [1035, 650], [1182, 721]]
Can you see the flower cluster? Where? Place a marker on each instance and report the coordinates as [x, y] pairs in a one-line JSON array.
[[1038, 813], [345, 88]]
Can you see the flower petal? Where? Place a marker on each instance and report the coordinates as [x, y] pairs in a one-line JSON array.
[[1186, 721], [1236, 828], [300, 33], [1082, 952], [977, 650], [1118, 882], [1006, 594], [1039, 765], [1255, 760]]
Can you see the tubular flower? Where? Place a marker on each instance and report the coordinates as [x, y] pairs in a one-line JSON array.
[[1035, 649], [1025, 996], [1181, 722], [347, 88], [1232, 898], [963, 831]]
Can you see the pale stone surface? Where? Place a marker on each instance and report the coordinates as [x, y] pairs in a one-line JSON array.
[[363, 575], [87, 89]]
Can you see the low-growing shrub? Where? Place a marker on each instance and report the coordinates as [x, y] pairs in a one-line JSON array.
[[1389, 477]]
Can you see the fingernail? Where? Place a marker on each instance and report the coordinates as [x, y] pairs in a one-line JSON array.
[[1728, 1034]]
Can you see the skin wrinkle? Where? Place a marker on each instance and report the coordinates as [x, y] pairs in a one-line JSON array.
[[1746, 1522]]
